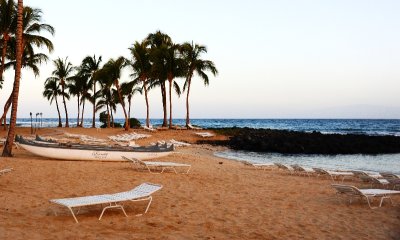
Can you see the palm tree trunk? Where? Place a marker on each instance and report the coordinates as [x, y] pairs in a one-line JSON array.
[[164, 101], [83, 110], [59, 114], [94, 104], [147, 104], [7, 151], [170, 103], [6, 108], [129, 108], [65, 104], [123, 105], [108, 117], [187, 103], [3, 54], [79, 108], [112, 118]]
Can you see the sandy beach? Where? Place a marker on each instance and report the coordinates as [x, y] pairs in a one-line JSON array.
[[218, 199]]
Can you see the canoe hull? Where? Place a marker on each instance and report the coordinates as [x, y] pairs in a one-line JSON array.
[[90, 155]]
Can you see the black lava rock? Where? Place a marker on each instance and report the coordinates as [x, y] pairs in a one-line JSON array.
[[292, 142]]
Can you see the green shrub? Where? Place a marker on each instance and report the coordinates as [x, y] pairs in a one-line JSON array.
[[134, 123], [103, 119]]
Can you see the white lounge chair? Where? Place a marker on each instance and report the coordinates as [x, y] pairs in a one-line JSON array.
[[204, 134], [190, 126], [263, 166], [285, 167], [5, 170], [368, 194], [333, 174], [147, 165], [302, 170], [359, 173], [140, 193], [128, 137], [151, 129], [393, 179], [374, 181]]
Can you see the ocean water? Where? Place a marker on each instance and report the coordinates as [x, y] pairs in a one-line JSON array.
[[341, 126], [376, 163]]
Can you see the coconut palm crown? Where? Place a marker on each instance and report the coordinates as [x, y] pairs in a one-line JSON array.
[[111, 72], [191, 54], [63, 73], [51, 92], [7, 18], [91, 65], [141, 66]]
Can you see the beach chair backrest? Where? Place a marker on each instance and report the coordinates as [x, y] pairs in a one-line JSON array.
[[359, 173], [281, 166], [297, 168], [368, 179], [134, 160], [320, 171], [346, 189], [389, 176], [140, 162]]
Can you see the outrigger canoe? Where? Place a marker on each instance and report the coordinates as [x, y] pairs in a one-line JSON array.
[[69, 151]]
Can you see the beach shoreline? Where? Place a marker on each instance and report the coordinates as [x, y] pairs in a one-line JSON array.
[[218, 199]]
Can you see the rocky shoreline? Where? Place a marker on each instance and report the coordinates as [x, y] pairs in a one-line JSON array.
[[293, 142]]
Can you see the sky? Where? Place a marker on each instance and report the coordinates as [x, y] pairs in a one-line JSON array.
[[276, 59]]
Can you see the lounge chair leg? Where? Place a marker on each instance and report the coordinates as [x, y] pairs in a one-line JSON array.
[[113, 206], [123, 210], [148, 205], [369, 204], [188, 170], [73, 215], [385, 197]]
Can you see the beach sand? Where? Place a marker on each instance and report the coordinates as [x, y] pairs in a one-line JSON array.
[[218, 199]]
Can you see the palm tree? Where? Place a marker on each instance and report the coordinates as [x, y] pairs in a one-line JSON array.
[[174, 67], [91, 65], [85, 95], [79, 86], [107, 99], [141, 66], [32, 27], [194, 64], [112, 70], [128, 89], [104, 94], [7, 151], [62, 74], [158, 77], [51, 92], [7, 17], [74, 89], [30, 62]]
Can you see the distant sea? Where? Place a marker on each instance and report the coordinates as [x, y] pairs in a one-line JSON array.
[[375, 163], [341, 126]]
